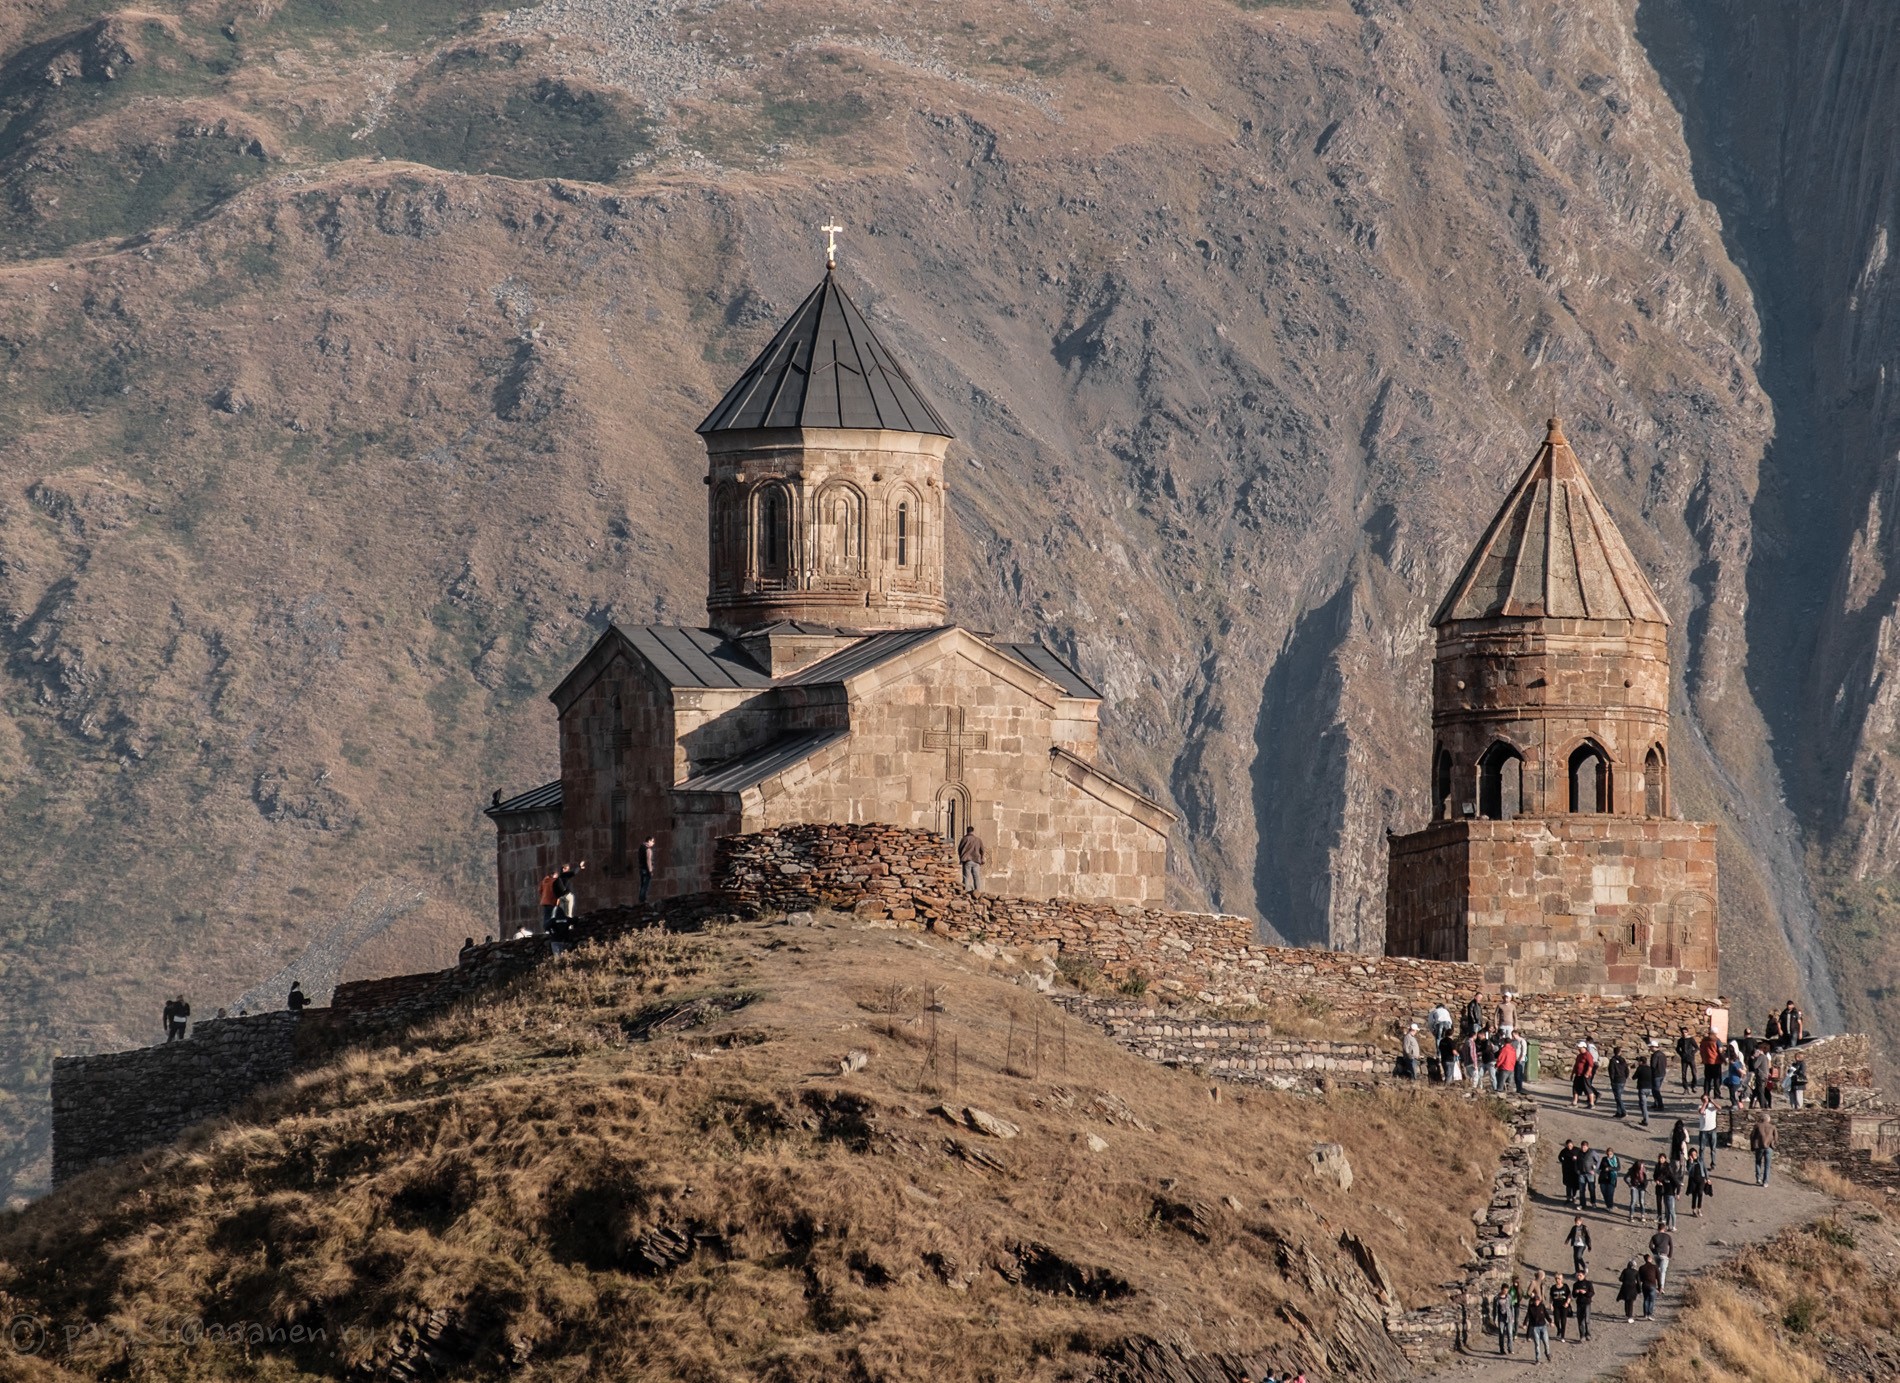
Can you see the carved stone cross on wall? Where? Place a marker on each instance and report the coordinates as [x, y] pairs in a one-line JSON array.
[[953, 739]]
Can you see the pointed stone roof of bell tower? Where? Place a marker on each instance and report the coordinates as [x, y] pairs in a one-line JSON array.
[[825, 368], [1552, 552]]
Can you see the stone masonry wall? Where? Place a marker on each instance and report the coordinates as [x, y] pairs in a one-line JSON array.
[[1247, 1052]]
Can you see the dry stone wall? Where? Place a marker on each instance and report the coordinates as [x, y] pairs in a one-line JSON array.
[[1237, 1051]]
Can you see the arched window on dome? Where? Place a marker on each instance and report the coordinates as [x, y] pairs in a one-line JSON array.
[[1655, 782], [1590, 787], [1441, 785], [774, 533], [903, 533], [1501, 783]]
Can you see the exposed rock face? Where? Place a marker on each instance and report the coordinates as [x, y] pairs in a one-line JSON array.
[[1244, 318]]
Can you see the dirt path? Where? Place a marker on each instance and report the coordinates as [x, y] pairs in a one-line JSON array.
[[1740, 1213]]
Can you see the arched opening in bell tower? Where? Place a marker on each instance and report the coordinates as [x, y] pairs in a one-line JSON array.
[[1655, 783], [1590, 787], [1441, 785], [1501, 783]]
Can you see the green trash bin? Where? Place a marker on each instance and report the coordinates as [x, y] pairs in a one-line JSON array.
[[1530, 1060]]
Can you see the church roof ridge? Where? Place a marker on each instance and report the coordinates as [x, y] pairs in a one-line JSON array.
[[825, 367], [1553, 551]]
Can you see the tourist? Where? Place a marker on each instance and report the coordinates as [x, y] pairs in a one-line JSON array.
[[1668, 1184], [1686, 1053], [1580, 1076], [1645, 1087], [1711, 1063], [1589, 1169], [468, 949], [1629, 1287], [1761, 1142], [1581, 1295], [1797, 1083], [1768, 1085], [1521, 1069], [1658, 1072], [1448, 1064], [1487, 1059], [1747, 1044], [549, 895], [1678, 1141], [564, 889], [560, 934], [1759, 1065], [1537, 1318], [1408, 1061], [1793, 1028], [1439, 1022], [1698, 1182], [971, 856], [1607, 1173], [1596, 1063], [1735, 1081], [1507, 1014], [1501, 1312], [1619, 1078], [1567, 1168], [1560, 1304], [1474, 1059], [1578, 1238], [1705, 1132], [180, 1016], [297, 1002], [1473, 1015], [1651, 1281], [171, 1007], [1638, 1182], [1506, 1062], [1662, 1244], [646, 867]]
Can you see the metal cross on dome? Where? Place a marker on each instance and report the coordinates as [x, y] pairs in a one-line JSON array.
[[831, 244]]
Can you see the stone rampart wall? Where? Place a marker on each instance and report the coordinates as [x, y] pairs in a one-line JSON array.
[[1237, 1051]]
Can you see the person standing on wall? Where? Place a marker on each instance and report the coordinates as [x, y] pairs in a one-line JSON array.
[[548, 895], [646, 867], [297, 1001], [1793, 1029], [564, 889], [971, 855], [179, 1016]]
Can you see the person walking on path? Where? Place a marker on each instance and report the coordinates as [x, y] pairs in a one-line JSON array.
[[1629, 1287], [1697, 1178], [1502, 1313], [1578, 1238], [646, 867], [1567, 1168], [1537, 1319], [1761, 1142], [1705, 1133], [1793, 1029], [1668, 1185], [179, 1017], [1589, 1171], [1711, 1064], [1560, 1304], [1797, 1084], [1521, 1069], [1686, 1053], [1678, 1141], [1651, 1282], [1759, 1065], [1580, 1073], [1607, 1172], [1645, 1087], [971, 855], [1619, 1078], [564, 889], [1662, 1247], [1658, 1072], [297, 1001], [1638, 1181], [1581, 1295], [1408, 1062]]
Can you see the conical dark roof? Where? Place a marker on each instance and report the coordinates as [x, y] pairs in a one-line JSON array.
[[1552, 552], [825, 368]]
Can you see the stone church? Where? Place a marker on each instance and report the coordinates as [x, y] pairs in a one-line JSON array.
[[1554, 856], [829, 684]]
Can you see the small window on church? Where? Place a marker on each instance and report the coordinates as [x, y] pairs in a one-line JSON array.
[[775, 538], [1655, 783], [1590, 779], [903, 535]]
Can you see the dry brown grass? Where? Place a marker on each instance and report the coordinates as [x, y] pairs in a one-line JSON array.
[[1814, 1304], [509, 1163]]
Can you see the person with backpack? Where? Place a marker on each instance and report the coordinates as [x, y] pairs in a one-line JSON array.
[[1582, 1293], [1578, 1238], [1619, 1078]]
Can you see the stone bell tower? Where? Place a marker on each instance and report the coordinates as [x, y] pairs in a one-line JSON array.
[[1553, 856], [826, 471]]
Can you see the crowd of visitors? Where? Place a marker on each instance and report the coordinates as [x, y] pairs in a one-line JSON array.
[[1654, 1173]]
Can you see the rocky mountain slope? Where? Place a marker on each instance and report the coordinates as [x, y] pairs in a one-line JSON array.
[[649, 1161], [350, 352]]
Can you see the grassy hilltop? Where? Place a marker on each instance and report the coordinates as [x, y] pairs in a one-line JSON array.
[[648, 1161]]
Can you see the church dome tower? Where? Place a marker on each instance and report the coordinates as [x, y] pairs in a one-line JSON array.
[[826, 482], [1550, 684]]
